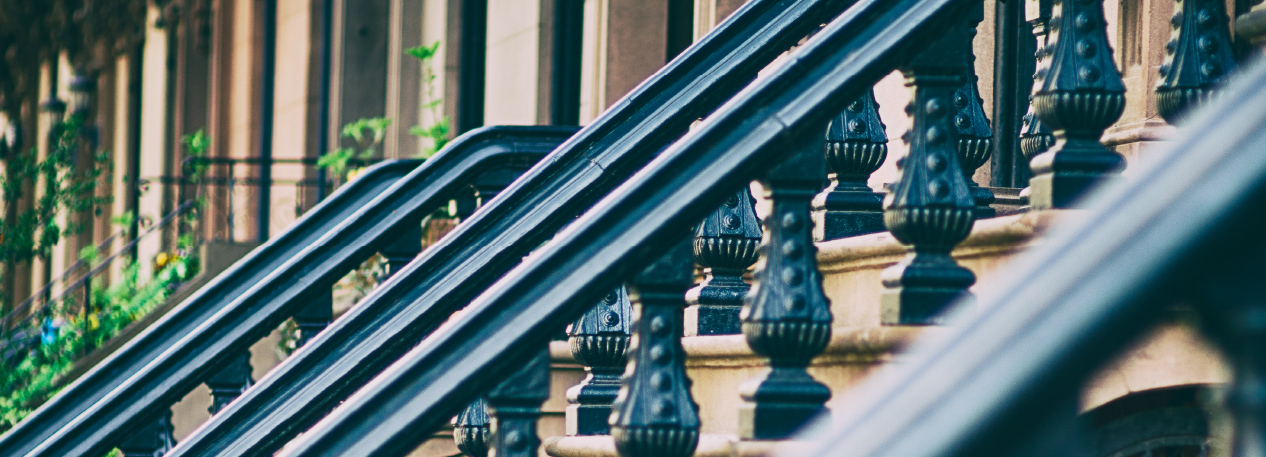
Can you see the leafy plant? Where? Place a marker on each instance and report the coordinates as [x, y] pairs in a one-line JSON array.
[[196, 145], [38, 376], [367, 133], [69, 329], [440, 130], [65, 189]]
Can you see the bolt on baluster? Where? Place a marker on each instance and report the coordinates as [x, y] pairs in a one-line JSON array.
[[654, 414], [787, 318], [1036, 137], [975, 138], [856, 146], [1080, 95], [930, 208], [725, 245], [598, 340], [514, 408], [504, 420], [1198, 57]]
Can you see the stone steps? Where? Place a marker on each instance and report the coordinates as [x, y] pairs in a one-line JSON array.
[[719, 364]]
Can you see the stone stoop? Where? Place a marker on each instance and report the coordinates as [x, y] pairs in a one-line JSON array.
[[1172, 355]]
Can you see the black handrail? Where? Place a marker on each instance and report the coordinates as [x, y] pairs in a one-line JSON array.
[[235, 281], [1070, 304], [282, 292], [629, 228], [448, 275]]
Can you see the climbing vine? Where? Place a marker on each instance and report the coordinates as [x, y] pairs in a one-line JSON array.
[[33, 232]]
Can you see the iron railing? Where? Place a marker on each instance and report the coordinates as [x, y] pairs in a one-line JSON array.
[[235, 281], [1002, 378], [43, 318], [451, 273], [318, 256]]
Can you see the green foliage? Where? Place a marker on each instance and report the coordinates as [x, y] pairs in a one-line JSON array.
[[115, 305], [441, 128], [196, 145], [38, 376], [367, 133], [65, 189]]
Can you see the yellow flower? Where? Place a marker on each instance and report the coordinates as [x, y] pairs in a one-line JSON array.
[[161, 260]]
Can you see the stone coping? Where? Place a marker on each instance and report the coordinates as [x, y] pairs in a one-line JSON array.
[[710, 445], [988, 237], [847, 343]]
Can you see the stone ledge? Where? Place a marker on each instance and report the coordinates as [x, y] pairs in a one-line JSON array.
[[1147, 130], [847, 344], [710, 445], [988, 237]]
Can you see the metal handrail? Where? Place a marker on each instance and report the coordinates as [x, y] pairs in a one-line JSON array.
[[445, 277], [1181, 228], [183, 350], [211, 298], [628, 229]]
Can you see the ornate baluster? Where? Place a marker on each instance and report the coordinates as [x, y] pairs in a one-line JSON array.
[[654, 414], [230, 380], [150, 439], [975, 138], [930, 209], [1035, 137], [1197, 57], [471, 429], [505, 419], [1080, 95], [725, 245], [856, 145], [493, 182], [598, 340], [402, 251], [515, 406], [315, 316], [787, 318]]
